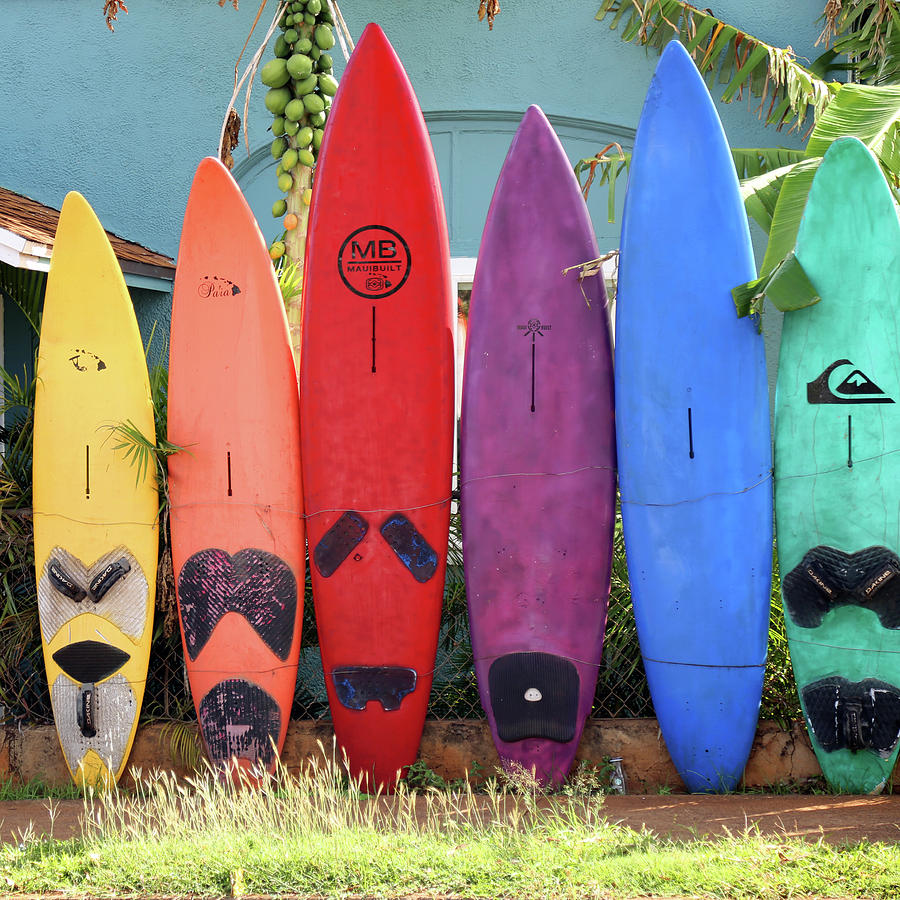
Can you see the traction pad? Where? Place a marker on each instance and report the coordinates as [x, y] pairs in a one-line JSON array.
[[355, 686], [407, 542], [863, 715], [827, 578], [410, 546], [534, 695], [338, 542], [240, 719], [90, 661], [257, 585]]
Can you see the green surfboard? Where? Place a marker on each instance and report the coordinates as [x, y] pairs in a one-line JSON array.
[[837, 472]]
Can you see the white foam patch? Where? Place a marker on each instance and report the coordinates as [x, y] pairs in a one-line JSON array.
[[124, 604], [116, 709]]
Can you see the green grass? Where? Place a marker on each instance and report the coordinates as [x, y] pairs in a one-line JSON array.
[[37, 789], [311, 835]]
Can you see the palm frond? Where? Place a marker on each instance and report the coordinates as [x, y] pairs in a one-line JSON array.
[[290, 279], [25, 288], [611, 167], [788, 92], [760, 195], [867, 32], [751, 162], [869, 113], [605, 168]]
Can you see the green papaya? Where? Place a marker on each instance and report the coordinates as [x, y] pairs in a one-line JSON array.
[[309, 19], [299, 65], [278, 126], [275, 73], [317, 120], [277, 99], [289, 160], [291, 36], [282, 48], [289, 20], [304, 86], [279, 208], [314, 6], [291, 127], [315, 53], [304, 45], [327, 85], [318, 134], [279, 145], [304, 136], [313, 103], [324, 37], [325, 63], [294, 110], [285, 182], [306, 158]]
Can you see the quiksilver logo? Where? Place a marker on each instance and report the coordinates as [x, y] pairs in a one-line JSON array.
[[855, 387]]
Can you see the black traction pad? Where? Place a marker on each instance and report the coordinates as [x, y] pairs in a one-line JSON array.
[[827, 578], [863, 715], [355, 686], [534, 695], [86, 662], [258, 585], [410, 546], [338, 542], [240, 719]]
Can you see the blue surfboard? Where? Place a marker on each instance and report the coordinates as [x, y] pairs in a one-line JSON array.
[[692, 429]]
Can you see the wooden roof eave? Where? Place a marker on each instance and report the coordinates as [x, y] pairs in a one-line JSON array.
[[24, 254]]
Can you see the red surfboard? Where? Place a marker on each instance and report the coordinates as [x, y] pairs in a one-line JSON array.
[[236, 496], [376, 410]]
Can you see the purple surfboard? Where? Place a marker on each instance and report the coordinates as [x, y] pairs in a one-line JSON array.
[[537, 460]]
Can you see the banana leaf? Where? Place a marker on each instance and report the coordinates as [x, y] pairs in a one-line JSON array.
[[869, 113], [788, 91], [787, 286]]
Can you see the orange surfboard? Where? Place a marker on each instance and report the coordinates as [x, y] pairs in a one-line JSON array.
[[377, 411], [236, 499]]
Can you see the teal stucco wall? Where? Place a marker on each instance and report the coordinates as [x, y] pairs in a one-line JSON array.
[[125, 117]]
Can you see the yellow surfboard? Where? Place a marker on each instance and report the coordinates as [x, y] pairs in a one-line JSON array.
[[95, 514]]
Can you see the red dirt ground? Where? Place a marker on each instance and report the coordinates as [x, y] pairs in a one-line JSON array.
[[837, 820]]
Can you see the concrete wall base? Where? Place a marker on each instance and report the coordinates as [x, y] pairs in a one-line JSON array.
[[450, 748]]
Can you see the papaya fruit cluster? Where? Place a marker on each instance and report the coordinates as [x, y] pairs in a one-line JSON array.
[[299, 97]]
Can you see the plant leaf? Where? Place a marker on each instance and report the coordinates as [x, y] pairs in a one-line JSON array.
[[869, 113], [787, 286], [787, 90], [787, 213]]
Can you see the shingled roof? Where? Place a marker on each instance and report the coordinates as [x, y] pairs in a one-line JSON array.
[[34, 225]]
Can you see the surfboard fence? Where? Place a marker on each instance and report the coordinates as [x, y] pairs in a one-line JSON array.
[[622, 691]]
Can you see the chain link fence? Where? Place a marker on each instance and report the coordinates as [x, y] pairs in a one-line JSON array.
[[622, 690], [621, 687]]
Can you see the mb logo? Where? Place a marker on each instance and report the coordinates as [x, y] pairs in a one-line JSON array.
[[374, 261]]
